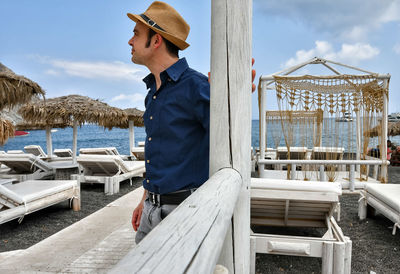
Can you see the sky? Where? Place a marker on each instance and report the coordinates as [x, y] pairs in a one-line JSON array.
[[81, 47]]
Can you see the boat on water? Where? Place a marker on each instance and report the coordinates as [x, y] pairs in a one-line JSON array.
[[345, 118], [19, 133], [394, 117]]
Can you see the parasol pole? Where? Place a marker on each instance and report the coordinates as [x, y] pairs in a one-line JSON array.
[[74, 141], [131, 137], [49, 142]]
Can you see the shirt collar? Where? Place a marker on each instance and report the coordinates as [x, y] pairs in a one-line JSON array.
[[174, 72]]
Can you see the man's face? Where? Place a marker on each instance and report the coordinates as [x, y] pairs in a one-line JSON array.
[[140, 53]]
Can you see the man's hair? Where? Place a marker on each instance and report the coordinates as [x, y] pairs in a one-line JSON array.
[[171, 48]]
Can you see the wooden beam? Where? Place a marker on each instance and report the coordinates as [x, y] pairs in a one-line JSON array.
[[230, 111]]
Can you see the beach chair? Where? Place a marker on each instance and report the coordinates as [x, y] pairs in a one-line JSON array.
[[383, 198], [286, 203], [35, 150], [109, 170], [15, 151], [25, 166], [327, 153], [103, 151], [138, 152], [63, 152], [18, 200], [99, 151], [296, 153]]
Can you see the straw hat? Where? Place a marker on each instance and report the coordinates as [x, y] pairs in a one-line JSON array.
[[165, 20]]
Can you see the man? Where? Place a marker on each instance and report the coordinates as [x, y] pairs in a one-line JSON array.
[[176, 117]]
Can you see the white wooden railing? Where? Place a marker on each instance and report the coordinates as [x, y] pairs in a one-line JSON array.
[[190, 239], [322, 163]]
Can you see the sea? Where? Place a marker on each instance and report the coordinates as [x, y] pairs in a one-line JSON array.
[[90, 136]]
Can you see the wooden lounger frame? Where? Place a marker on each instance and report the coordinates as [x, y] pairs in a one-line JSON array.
[[283, 207]]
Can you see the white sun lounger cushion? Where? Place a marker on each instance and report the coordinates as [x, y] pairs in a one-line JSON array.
[[292, 149], [329, 149], [63, 152], [291, 185], [117, 162], [24, 161], [387, 193], [35, 150], [100, 151], [32, 190]]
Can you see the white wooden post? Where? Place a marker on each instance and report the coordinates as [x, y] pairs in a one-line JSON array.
[[358, 136], [293, 172], [230, 109], [351, 178], [49, 142], [322, 173], [262, 129], [131, 137], [74, 141], [384, 133]]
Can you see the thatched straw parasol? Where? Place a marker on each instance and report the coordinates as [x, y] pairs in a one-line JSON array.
[[16, 89], [72, 109], [7, 130]]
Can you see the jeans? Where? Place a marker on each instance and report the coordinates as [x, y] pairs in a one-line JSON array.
[[151, 216]]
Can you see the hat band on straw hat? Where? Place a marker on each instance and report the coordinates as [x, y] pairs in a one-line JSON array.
[[151, 22]]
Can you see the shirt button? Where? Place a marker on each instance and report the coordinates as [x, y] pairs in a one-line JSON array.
[[148, 181], [169, 79], [149, 138], [151, 117], [154, 97], [148, 161]]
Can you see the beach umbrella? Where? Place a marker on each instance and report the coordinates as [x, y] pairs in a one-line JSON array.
[[7, 130], [16, 89], [72, 109]]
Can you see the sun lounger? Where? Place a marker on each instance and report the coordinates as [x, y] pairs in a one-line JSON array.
[[15, 151], [109, 170], [7, 181], [286, 203], [138, 152], [18, 200], [99, 151], [25, 167], [102, 151], [296, 153], [384, 198], [327, 153], [63, 152], [35, 150]]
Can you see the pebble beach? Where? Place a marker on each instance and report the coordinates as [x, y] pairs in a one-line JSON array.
[[374, 247]]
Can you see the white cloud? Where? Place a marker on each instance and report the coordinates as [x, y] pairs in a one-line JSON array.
[[349, 53], [396, 48], [349, 19], [132, 98], [93, 70]]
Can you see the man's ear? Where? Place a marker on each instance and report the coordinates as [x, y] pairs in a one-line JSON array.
[[158, 40]]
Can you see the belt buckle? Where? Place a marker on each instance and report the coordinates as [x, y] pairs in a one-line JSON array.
[[153, 199]]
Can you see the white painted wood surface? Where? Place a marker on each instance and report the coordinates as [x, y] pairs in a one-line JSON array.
[[49, 142], [74, 141], [230, 111], [131, 136], [191, 237]]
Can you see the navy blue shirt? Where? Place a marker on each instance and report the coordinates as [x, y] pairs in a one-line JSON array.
[[177, 122]]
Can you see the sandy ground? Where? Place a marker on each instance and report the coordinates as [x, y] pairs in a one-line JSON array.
[[374, 246]]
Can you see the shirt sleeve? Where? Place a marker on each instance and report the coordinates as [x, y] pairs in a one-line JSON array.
[[202, 104]]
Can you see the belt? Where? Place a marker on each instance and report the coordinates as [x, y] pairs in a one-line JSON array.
[[174, 198]]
